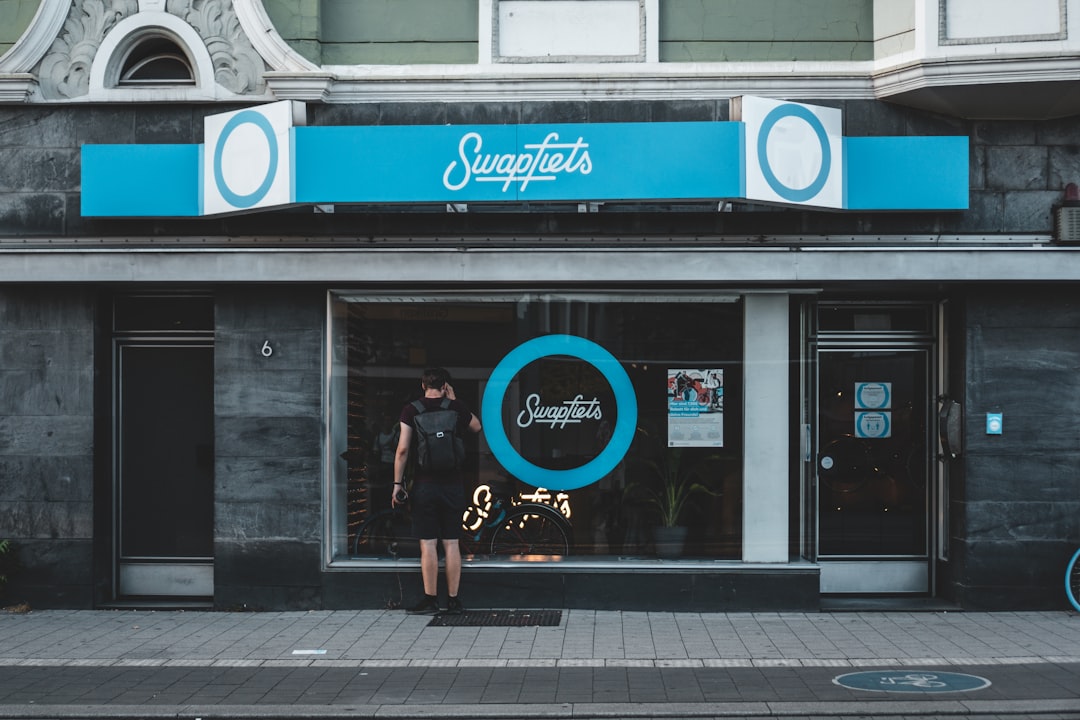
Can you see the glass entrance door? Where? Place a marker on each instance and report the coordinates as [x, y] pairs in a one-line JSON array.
[[872, 467]]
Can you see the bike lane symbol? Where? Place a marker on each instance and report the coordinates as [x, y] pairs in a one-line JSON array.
[[918, 681]]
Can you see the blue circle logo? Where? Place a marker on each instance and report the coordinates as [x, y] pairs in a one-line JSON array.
[[767, 125], [911, 681], [258, 120], [499, 383]]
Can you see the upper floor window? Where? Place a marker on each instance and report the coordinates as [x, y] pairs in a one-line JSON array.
[[156, 60]]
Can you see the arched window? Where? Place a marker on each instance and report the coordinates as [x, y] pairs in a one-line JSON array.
[[156, 60]]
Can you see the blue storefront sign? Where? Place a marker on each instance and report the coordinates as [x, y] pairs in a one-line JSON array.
[[265, 157]]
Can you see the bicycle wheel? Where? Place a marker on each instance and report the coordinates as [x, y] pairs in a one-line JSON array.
[[845, 464], [532, 530], [1072, 580], [381, 534]]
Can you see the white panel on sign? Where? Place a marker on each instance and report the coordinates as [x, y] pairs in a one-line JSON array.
[[247, 158], [794, 152]]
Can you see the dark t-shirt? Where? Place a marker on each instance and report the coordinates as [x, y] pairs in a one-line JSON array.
[[409, 412]]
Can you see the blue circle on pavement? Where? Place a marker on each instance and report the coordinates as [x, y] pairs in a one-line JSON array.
[[911, 681], [258, 120], [775, 116], [625, 403]]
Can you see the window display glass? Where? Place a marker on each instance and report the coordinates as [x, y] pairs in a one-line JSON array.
[[612, 423]]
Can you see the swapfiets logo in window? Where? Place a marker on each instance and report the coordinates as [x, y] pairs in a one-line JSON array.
[[559, 412], [568, 412], [544, 161]]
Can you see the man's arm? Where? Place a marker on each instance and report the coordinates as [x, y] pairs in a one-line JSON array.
[[401, 459], [474, 422]]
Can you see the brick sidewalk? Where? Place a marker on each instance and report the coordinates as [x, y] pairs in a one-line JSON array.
[[75, 664]]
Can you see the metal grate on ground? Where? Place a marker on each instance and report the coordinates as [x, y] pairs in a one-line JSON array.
[[499, 618]]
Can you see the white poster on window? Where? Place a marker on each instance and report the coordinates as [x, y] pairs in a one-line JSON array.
[[695, 407], [873, 395]]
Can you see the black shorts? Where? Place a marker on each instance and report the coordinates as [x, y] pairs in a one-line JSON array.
[[437, 509]]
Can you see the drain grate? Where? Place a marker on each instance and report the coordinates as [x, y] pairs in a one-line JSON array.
[[499, 618]]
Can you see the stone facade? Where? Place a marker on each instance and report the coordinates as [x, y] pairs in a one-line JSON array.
[[1014, 497], [1020, 497], [47, 442]]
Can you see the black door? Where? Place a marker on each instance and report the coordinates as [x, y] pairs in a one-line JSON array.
[[163, 412]]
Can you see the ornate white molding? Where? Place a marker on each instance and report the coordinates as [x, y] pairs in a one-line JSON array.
[[238, 67], [82, 62], [265, 38], [64, 73], [34, 43], [105, 70], [305, 86], [17, 87]]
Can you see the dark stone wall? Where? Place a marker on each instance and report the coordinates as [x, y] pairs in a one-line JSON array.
[[1016, 501], [1019, 502], [47, 443], [635, 590], [268, 438]]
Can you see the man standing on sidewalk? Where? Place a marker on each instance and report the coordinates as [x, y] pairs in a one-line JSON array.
[[435, 423]]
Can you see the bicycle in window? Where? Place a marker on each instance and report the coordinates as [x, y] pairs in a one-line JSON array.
[[498, 523], [1072, 580]]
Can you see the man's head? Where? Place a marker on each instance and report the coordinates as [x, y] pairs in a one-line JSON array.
[[435, 378]]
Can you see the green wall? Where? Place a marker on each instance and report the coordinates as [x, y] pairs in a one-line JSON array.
[[392, 32], [15, 17], [297, 21], [763, 30]]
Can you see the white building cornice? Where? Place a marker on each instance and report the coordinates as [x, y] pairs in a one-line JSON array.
[[644, 81], [951, 72]]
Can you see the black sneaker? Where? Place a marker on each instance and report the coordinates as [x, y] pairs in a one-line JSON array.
[[453, 607], [427, 606]]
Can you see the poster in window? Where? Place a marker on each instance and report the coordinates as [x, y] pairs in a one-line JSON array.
[[695, 407]]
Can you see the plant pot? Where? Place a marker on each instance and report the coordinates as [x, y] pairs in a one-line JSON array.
[[670, 541]]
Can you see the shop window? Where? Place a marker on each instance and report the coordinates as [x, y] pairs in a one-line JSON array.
[[621, 413]]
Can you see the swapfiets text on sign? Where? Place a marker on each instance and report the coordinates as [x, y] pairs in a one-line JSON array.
[[544, 161]]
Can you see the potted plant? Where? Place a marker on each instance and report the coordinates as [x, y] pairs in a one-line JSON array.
[[678, 486], [7, 562]]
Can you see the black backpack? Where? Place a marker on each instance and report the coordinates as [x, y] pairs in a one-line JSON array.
[[439, 448]]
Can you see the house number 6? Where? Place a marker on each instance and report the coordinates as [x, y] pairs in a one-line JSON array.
[[267, 351]]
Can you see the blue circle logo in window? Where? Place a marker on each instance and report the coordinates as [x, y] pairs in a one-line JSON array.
[[574, 408]]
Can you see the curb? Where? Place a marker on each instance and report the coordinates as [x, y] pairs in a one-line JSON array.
[[577, 711]]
